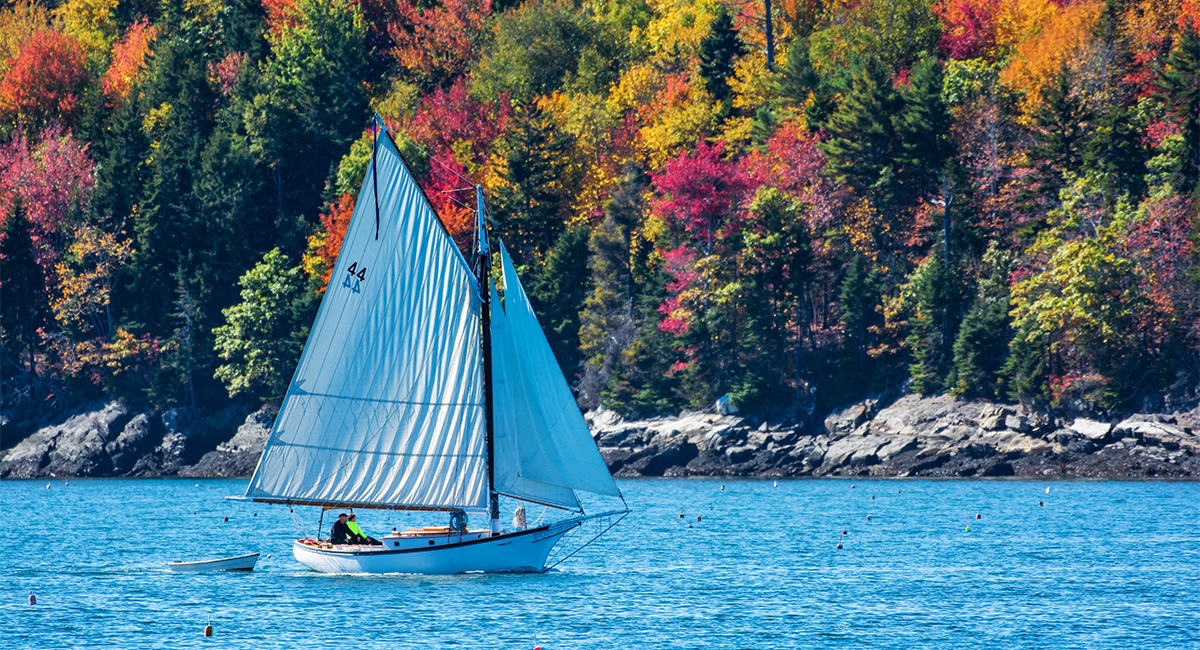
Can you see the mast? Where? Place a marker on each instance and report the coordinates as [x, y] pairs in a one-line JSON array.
[[485, 322]]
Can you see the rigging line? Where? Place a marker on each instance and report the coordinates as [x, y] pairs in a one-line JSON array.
[[447, 167], [614, 523], [374, 174]]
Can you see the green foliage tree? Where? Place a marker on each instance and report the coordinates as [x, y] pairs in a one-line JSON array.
[[543, 45], [538, 176], [311, 107], [606, 324], [981, 347], [263, 335], [860, 315], [719, 50], [1180, 84], [22, 291], [932, 297], [923, 127], [557, 292], [862, 137], [798, 78]]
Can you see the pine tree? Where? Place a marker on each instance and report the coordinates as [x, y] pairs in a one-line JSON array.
[[1115, 152], [862, 138], [1060, 136], [1180, 84], [606, 324], [718, 52], [932, 324], [859, 301], [537, 179], [798, 77], [557, 291], [311, 107], [23, 294], [981, 348], [923, 127]]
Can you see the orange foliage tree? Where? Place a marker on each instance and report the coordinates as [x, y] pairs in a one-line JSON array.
[[326, 243], [1040, 59], [128, 58], [436, 43], [45, 80]]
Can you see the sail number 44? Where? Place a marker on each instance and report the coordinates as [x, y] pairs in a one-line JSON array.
[[355, 276]]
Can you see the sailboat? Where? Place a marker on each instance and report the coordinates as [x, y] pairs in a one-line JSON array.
[[420, 389]]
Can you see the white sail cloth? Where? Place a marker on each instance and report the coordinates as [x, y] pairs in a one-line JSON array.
[[386, 406], [544, 449]]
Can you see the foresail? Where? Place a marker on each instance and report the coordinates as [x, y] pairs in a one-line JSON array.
[[552, 448], [512, 414], [386, 406]]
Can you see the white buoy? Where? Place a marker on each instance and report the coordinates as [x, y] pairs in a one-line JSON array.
[[775, 484], [47, 486], [1047, 489]]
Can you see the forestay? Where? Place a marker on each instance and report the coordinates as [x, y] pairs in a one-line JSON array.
[[386, 406], [544, 449]]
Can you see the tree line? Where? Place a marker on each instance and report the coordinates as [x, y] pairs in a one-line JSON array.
[[793, 203]]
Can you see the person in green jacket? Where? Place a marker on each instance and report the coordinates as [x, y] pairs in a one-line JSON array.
[[357, 536]]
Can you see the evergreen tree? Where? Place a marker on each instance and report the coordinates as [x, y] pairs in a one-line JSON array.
[[933, 297], [557, 293], [312, 106], [798, 77], [859, 300], [981, 348], [23, 294], [1060, 135], [1115, 153], [606, 324], [1180, 84], [718, 52], [538, 179], [176, 105], [923, 127], [862, 138], [1026, 368]]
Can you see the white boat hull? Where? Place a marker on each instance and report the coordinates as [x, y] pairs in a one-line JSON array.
[[239, 563], [516, 552]]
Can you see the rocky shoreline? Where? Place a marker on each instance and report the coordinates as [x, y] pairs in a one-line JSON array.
[[912, 436]]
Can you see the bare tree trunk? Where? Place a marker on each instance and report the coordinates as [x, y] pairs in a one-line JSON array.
[[770, 36]]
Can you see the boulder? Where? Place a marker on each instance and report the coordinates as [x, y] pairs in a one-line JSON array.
[[1091, 429], [239, 455], [76, 447]]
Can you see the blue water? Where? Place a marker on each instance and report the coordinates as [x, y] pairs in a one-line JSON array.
[[1099, 565]]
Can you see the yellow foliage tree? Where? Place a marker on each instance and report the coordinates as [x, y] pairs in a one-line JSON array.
[[86, 275], [1038, 60], [18, 23], [91, 23]]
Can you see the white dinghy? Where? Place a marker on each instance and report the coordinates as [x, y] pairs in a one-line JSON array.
[[238, 563], [419, 390]]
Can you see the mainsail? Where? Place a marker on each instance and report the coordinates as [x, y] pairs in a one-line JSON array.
[[544, 450], [386, 406]]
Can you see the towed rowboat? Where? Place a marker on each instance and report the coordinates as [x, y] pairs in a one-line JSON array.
[[238, 563]]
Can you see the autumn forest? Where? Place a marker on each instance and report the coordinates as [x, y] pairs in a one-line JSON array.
[[795, 203]]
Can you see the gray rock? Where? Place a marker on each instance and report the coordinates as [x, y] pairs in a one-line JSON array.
[[1091, 429]]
